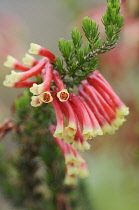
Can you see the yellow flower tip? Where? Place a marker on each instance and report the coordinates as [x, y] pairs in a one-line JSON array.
[[123, 111], [58, 135], [28, 60], [46, 97], [63, 95], [69, 158], [13, 77], [35, 101], [59, 132], [8, 83], [71, 130], [70, 180], [88, 133], [68, 139], [108, 129], [118, 122], [34, 48], [77, 145], [72, 170], [85, 146], [98, 132], [78, 160], [36, 89], [80, 146], [10, 62]]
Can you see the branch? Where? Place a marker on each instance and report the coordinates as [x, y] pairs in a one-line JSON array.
[[81, 59], [5, 128]]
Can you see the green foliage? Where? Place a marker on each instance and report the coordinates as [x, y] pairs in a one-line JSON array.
[[77, 38], [81, 58], [36, 153], [91, 32], [59, 65], [112, 21]]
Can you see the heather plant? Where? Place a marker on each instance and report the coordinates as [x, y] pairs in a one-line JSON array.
[[67, 103]]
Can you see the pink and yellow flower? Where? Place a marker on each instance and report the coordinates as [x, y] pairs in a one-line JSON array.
[[75, 164], [95, 111], [63, 94]]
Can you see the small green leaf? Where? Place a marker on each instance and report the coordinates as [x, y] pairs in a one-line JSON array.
[[76, 38]]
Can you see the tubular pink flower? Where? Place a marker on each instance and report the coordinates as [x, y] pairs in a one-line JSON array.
[[102, 121], [96, 82], [96, 129], [106, 98], [13, 63], [97, 73], [91, 93], [71, 156], [45, 86], [83, 115], [95, 123], [104, 108], [59, 132], [24, 84], [63, 94], [33, 71], [79, 142], [71, 128], [115, 121], [39, 50], [74, 162], [19, 77]]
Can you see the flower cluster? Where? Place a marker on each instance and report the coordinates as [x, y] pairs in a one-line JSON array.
[[44, 68], [75, 164], [95, 110]]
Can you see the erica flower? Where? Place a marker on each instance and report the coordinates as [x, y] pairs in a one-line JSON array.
[[79, 142], [42, 68], [83, 116], [108, 109], [75, 164], [21, 76], [39, 50], [99, 82], [59, 131], [71, 127], [96, 110], [63, 94], [66, 120], [45, 86], [13, 63]]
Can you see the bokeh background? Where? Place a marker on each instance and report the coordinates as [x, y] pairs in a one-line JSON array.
[[113, 160]]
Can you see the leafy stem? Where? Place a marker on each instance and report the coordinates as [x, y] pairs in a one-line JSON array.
[[79, 58]]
